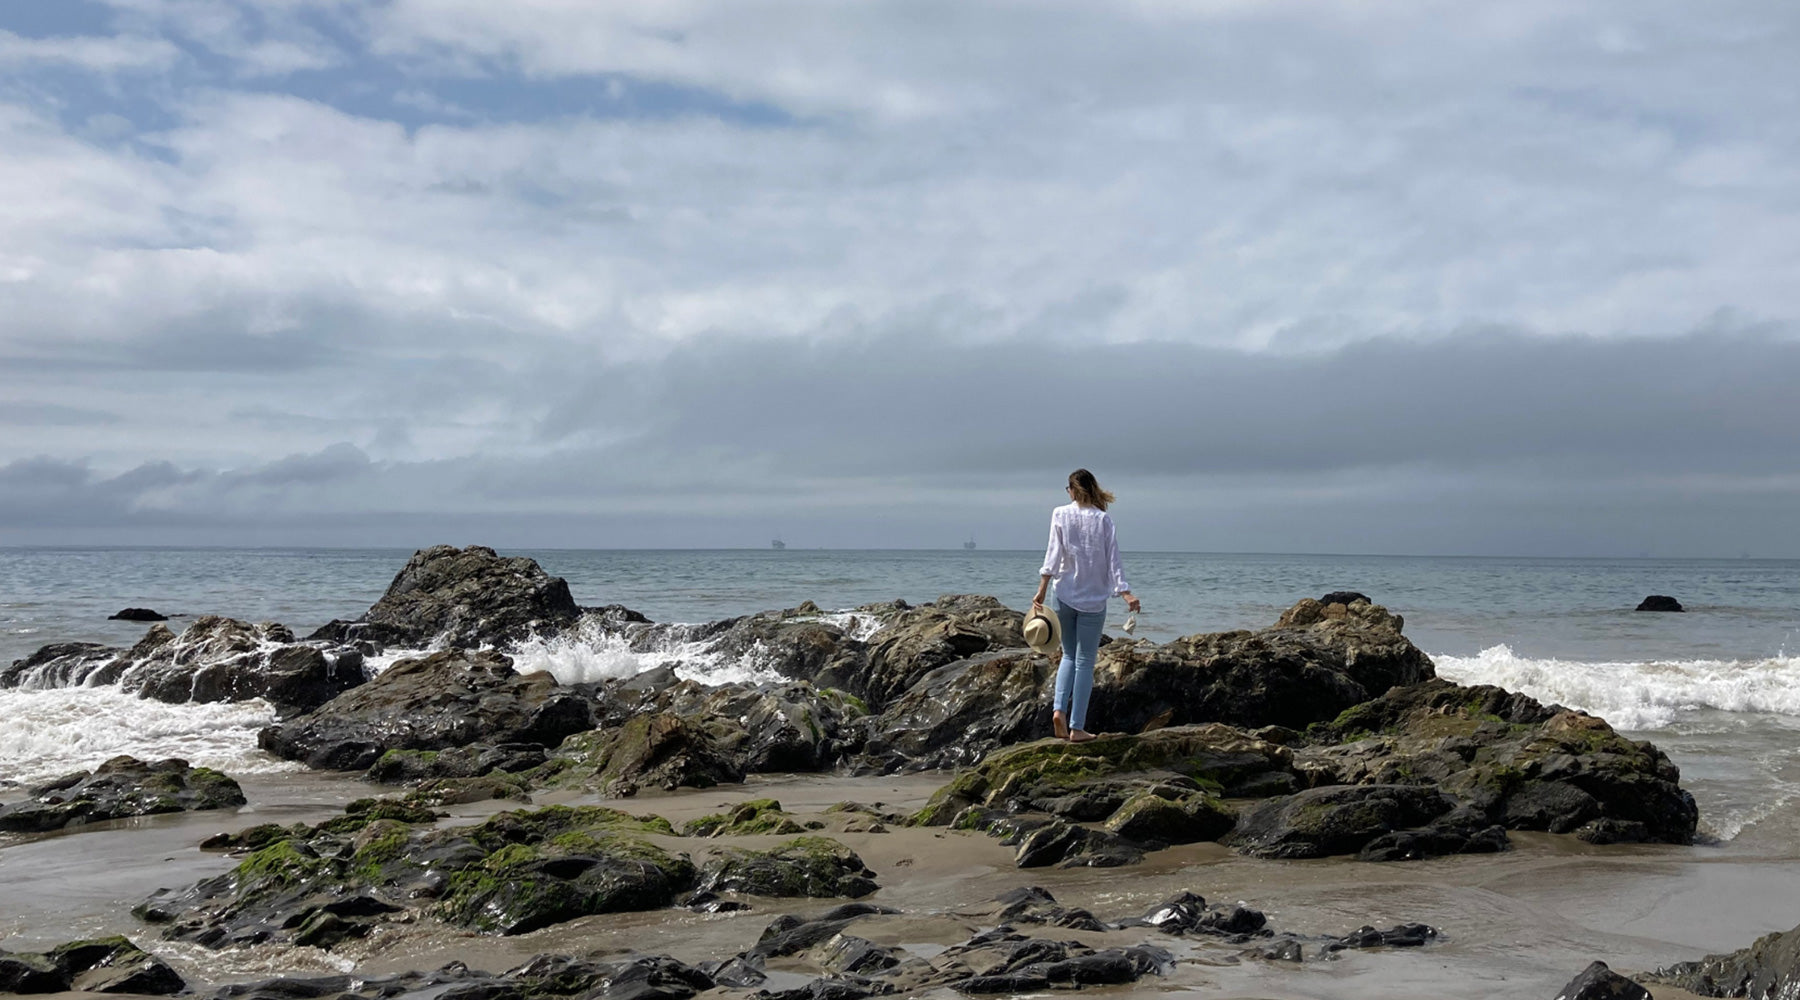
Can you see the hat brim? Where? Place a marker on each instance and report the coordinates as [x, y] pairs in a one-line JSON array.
[[1052, 644]]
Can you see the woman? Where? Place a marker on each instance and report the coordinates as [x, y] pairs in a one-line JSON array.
[[1083, 559]]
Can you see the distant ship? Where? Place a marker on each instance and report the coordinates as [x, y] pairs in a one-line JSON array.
[[970, 544], [777, 544]]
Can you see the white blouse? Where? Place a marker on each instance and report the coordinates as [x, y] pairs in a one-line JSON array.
[[1083, 557]]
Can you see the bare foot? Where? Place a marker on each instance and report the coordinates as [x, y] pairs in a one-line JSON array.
[[1059, 724], [1080, 736]]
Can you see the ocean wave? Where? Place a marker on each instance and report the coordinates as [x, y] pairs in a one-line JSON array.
[[589, 653], [1642, 695], [53, 732]]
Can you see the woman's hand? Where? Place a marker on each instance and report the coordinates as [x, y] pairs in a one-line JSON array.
[[1132, 604], [1042, 591]]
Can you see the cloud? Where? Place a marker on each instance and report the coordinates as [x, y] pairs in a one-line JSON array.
[[477, 261], [97, 54]]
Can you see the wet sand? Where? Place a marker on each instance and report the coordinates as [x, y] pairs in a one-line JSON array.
[[1518, 924]]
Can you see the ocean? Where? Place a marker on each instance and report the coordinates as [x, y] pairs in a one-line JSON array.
[[1716, 686]]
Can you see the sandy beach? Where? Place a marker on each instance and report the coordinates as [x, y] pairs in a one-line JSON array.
[[1518, 924]]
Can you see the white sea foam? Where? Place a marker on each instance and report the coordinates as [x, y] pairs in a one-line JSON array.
[[588, 653], [1637, 695], [50, 733]]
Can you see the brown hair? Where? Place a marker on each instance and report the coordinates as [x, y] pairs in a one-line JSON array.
[[1087, 490]]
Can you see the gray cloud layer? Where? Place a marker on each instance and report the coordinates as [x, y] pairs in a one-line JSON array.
[[1314, 274]]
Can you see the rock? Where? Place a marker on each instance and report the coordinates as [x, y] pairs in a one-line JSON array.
[[1334, 820], [1345, 597], [105, 965], [1768, 968], [640, 977], [474, 761], [1403, 936], [121, 787], [662, 750], [447, 699], [747, 819], [1597, 982], [790, 935], [804, 866], [1523, 765], [1171, 816], [959, 712], [513, 873], [222, 659], [1659, 602], [462, 598], [59, 665], [137, 615], [1221, 758]]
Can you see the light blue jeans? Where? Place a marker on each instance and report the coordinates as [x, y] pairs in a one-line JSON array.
[[1075, 675]]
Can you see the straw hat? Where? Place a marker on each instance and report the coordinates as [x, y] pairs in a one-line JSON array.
[[1043, 631]]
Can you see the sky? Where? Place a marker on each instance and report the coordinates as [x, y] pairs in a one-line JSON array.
[[1515, 278]]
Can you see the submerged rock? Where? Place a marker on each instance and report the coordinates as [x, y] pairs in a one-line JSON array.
[[447, 699], [1659, 602], [137, 615], [462, 598], [121, 787]]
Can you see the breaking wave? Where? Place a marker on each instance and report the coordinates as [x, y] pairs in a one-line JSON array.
[[1637, 695], [50, 733]]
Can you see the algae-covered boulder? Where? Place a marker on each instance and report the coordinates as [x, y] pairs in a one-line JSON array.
[[805, 866], [661, 750], [1171, 816], [1524, 765], [447, 699], [1215, 757], [515, 872], [758, 816], [462, 598], [103, 965], [121, 787]]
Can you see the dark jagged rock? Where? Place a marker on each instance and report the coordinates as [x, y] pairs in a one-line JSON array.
[[448, 699], [1768, 968], [105, 965], [121, 787], [515, 872], [223, 659], [1597, 982], [1187, 913], [1335, 820], [1523, 765], [215, 659], [462, 598], [137, 615], [805, 866], [790, 935], [747, 819], [641, 977], [1035, 905], [1316, 662], [1659, 602], [58, 665]]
